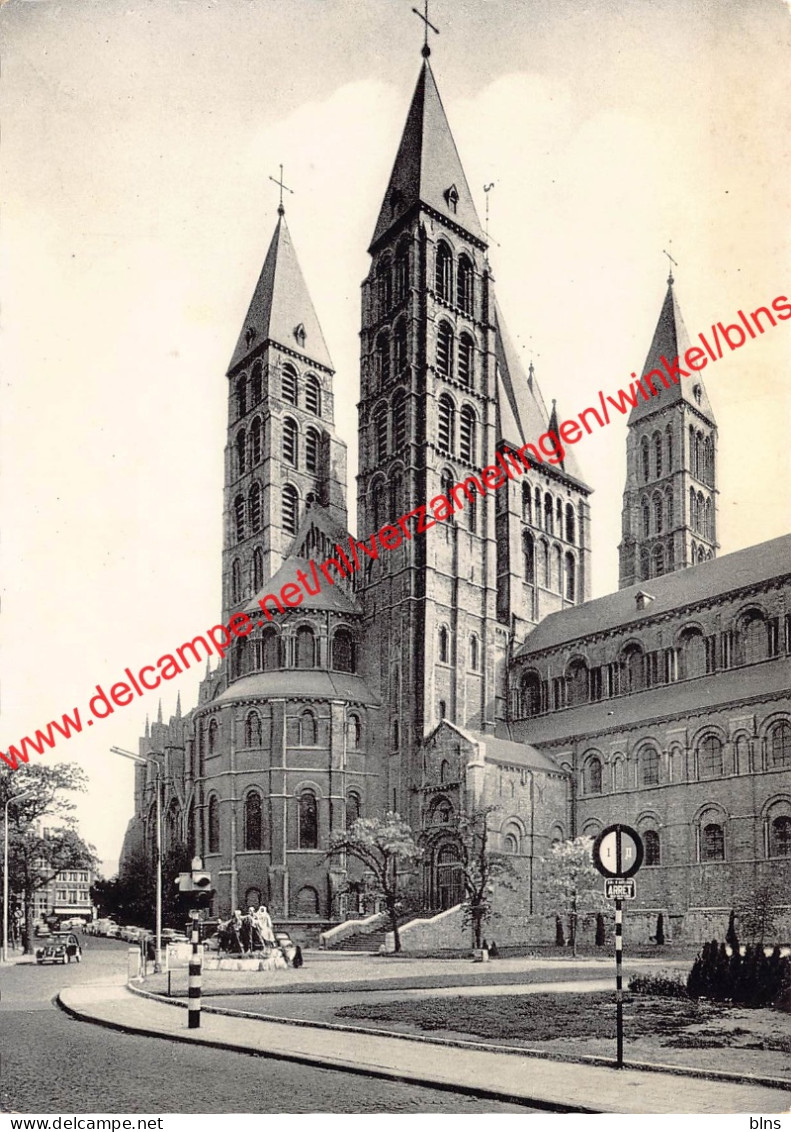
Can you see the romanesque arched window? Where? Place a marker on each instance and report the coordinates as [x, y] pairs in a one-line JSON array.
[[657, 442], [399, 420], [343, 651], [239, 517], [241, 396], [313, 395], [444, 272], [401, 274], [633, 668], [528, 552], [312, 449], [307, 901], [577, 682], [378, 502], [290, 509], [712, 842], [305, 647], [710, 757], [253, 735], [236, 581], [571, 529], [780, 836], [354, 808], [254, 507], [384, 284], [543, 563], [383, 357], [691, 654], [380, 433], [645, 459], [779, 745], [214, 824], [270, 650], [288, 384], [354, 732], [592, 775], [753, 637], [649, 766], [214, 736], [467, 432], [444, 645], [253, 821], [464, 290], [475, 659], [256, 383], [651, 846], [256, 442], [290, 436], [308, 729], [308, 820], [446, 424], [571, 577], [241, 452], [399, 347], [466, 359], [645, 517], [445, 349], [530, 695]]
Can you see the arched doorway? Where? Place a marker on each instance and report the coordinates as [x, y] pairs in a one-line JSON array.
[[448, 880]]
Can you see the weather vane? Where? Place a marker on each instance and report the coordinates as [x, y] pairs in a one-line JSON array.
[[427, 24], [281, 185], [672, 261]]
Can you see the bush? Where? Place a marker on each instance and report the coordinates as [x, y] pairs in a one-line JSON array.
[[600, 933], [660, 929], [750, 979], [664, 984]]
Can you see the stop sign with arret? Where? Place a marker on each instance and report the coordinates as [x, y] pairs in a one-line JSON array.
[[618, 851]]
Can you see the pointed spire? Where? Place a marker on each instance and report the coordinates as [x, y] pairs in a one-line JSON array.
[[427, 167], [147, 732], [178, 706], [281, 310], [670, 341], [553, 424], [159, 711]]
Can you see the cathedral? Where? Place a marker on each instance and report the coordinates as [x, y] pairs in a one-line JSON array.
[[469, 667]]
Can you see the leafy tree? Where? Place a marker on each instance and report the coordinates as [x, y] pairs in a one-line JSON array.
[[40, 850], [386, 847], [482, 868], [756, 912], [571, 884]]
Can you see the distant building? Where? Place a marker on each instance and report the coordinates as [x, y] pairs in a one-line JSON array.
[[68, 897]]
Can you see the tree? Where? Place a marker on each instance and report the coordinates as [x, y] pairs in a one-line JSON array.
[[39, 852], [482, 869], [571, 884], [756, 912], [660, 930], [387, 849], [131, 897]]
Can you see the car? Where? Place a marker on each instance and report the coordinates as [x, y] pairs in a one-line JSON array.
[[131, 933], [171, 935], [286, 945], [62, 947], [112, 931], [41, 931]]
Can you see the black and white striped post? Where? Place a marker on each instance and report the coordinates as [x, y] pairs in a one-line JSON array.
[[194, 987], [618, 984]]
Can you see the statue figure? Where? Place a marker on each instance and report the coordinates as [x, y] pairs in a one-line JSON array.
[[265, 927]]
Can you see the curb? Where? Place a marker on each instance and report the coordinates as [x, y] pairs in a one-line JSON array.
[[325, 1062], [485, 1047]]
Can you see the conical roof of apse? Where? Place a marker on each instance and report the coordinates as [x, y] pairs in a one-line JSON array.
[[671, 341], [427, 167], [281, 310]]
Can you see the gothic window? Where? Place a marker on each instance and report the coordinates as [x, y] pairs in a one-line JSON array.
[[577, 682], [444, 645], [256, 383], [445, 349], [712, 842], [305, 647], [549, 519], [380, 433], [308, 730], [571, 577], [252, 730], [710, 761], [236, 581], [254, 507], [649, 766], [214, 824], [354, 732], [475, 659], [288, 384], [384, 291], [343, 651], [780, 837], [444, 273], [570, 524], [253, 825], [312, 450], [401, 270], [399, 347], [657, 439], [446, 423], [383, 358], [290, 441], [290, 509], [271, 650], [308, 823], [645, 459], [464, 290], [241, 396], [592, 776], [527, 504], [466, 359], [354, 808], [657, 561], [467, 434], [780, 745], [645, 516], [241, 452], [239, 517], [530, 695], [528, 548], [399, 420], [651, 846]]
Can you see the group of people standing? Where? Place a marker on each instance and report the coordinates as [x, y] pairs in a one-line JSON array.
[[244, 934]]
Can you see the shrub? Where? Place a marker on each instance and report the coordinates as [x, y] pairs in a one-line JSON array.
[[600, 933], [750, 979], [663, 983], [660, 929]]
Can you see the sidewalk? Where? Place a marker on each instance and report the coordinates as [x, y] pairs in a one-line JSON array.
[[539, 1082]]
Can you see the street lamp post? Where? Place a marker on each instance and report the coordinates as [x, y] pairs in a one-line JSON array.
[[9, 800], [155, 762]]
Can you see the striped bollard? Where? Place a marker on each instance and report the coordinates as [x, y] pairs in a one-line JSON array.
[[193, 993], [618, 984]]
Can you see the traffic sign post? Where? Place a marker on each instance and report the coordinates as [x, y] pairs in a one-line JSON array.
[[618, 854]]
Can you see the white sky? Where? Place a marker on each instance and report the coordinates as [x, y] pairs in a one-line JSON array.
[[137, 139]]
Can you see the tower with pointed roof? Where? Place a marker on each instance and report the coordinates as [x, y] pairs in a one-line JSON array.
[[442, 389], [669, 517], [282, 452]]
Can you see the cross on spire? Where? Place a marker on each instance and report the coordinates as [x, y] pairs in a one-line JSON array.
[[280, 210], [671, 261], [427, 24]]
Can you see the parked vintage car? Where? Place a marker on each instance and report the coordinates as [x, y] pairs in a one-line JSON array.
[[286, 945], [61, 947]]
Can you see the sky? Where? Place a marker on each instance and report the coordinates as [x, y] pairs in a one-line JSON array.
[[138, 139]]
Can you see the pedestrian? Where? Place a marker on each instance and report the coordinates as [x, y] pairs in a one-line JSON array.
[[297, 961], [493, 952]]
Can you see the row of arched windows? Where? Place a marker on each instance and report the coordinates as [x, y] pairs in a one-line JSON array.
[[304, 732], [701, 514], [655, 561], [311, 453], [454, 282], [254, 826], [466, 442], [240, 389], [701, 456], [290, 390], [548, 567], [248, 446], [656, 454], [656, 513], [248, 517], [701, 554], [539, 509], [392, 278], [389, 426], [256, 576], [473, 648], [390, 353], [455, 360], [271, 651]]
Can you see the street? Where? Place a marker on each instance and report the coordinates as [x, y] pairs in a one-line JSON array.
[[54, 1064]]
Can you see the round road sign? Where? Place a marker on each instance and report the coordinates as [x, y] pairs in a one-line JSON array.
[[618, 851]]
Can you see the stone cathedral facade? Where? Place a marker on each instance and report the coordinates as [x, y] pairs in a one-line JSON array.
[[469, 667]]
